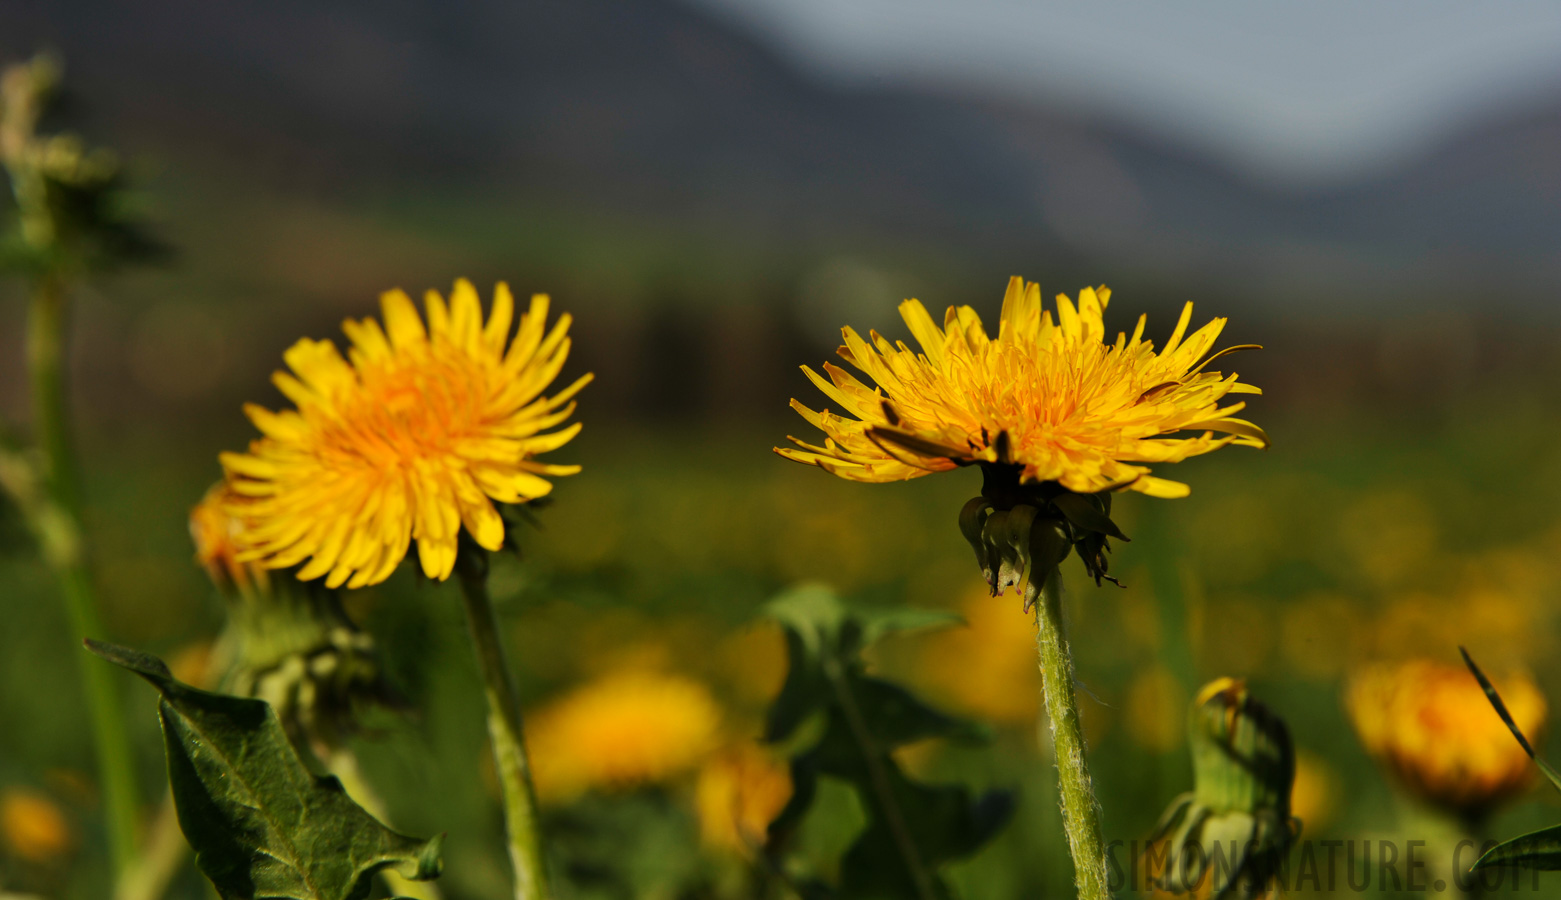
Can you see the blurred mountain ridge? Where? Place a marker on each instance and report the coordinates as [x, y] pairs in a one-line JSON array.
[[656, 111]]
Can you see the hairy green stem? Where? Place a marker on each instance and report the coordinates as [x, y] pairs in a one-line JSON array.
[[57, 522], [504, 729], [1080, 813]]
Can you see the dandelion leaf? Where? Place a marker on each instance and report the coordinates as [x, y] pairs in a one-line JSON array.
[[850, 723], [261, 823]]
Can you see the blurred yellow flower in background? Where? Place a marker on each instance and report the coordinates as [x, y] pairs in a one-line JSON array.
[[987, 669], [1047, 395], [408, 437], [1431, 724], [739, 793], [619, 731], [33, 826]]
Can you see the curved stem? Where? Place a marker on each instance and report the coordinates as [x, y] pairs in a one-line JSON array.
[[504, 730], [57, 523], [1080, 813]]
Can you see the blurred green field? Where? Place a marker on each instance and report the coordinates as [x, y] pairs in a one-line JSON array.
[[1358, 537], [711, 211]]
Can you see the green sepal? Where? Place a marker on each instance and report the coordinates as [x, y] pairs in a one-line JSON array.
[[1085, 512], [262, 824]]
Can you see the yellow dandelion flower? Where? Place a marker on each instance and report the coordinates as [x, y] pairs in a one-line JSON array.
[[620, 731], [410, 436], [1048, 396], [739, 793], [33, 826], [219, 540], [1431, 724]]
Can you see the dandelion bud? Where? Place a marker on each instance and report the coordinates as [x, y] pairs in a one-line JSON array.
[[1230, 834], [318, 677], [1242, 755], [1430, 724]]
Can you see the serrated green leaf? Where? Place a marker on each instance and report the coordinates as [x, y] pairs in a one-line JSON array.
[[1538, 850], [261, 823], [820, 618], [812, 611], [803, 691], [912, 828], [942, 820], [878, 623], [895, 716]]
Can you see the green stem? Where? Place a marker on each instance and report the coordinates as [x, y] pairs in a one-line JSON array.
[[164, 853], [504, 729], [878, 775], [58, 525], [1080, 813]]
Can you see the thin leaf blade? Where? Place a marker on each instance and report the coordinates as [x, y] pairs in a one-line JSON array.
[[1501, 710], [1536, 850]]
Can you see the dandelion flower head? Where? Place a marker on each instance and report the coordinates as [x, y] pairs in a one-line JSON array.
[[619, 731], [218, 536], [1431, 724], [410, 436], [1048, 396]]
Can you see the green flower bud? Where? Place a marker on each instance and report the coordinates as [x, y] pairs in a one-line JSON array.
[[287, 642], [1015, 526], [296, 649], [1004, 541], [1228, 837]]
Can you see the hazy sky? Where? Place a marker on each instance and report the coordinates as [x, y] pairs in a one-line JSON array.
[[1311, 90]]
